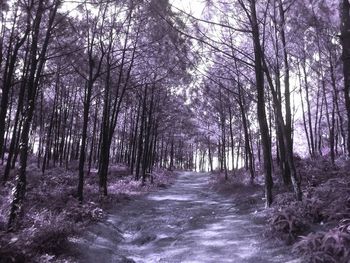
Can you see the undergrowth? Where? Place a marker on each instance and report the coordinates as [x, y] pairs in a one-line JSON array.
[[51, 212], [326, 246], [318, 226]]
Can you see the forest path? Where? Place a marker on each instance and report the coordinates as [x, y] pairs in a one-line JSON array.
[[187, 222]]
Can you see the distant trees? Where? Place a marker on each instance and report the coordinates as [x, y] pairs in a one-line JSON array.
[[284, 57], [132, 82], [93, 87]]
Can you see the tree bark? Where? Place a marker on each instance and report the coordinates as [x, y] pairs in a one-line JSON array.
[[259, 78], [345, 41]]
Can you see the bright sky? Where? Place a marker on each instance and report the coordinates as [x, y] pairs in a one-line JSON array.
[[190, 6]]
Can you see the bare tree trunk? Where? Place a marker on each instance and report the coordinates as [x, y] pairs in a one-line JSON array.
[[312, 141], [259, 78], [345, 41]]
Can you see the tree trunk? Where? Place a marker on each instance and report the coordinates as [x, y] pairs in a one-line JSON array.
[[259, 78], [345, 41], [32, 86]]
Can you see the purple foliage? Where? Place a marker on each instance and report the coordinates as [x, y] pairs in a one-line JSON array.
[[52, 213]]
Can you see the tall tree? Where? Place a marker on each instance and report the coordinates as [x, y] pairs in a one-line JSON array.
[[37, 60], [345, 41]]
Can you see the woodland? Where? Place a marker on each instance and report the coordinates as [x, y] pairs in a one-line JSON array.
[[102, 101]]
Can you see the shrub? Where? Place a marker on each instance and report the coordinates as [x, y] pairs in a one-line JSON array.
[[330, 246], [287, 224], [312, 209], [51, 239]]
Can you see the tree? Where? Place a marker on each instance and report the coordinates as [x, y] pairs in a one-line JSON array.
[[37, 58], [345, 41]]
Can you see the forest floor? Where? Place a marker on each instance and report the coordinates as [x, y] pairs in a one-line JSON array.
[[200, 210], [51, 212], [187, 222], [318, 228]]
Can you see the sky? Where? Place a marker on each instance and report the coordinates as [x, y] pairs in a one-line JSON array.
[[190, 6]]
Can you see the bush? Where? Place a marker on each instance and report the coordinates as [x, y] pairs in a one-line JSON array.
[[330, 246], [52, 239], [287, 224]]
